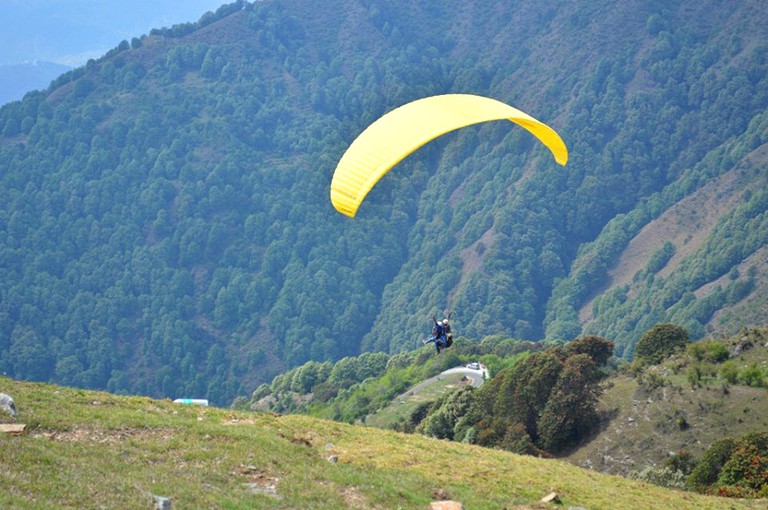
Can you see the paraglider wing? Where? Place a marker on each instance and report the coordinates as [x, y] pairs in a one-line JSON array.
[[398, 133]]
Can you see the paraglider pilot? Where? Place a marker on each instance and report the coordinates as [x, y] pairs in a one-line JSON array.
[[439, 334]]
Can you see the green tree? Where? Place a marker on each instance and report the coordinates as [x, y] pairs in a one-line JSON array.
[[707, 471], [441, 423], [597, 348], [752, 375], [29, 357], [659, 342], [371, 364], [344, 372], [571, 411]]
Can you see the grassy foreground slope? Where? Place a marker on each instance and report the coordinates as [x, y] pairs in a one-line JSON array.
[[85, 449]]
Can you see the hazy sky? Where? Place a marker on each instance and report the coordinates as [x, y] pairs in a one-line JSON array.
[[70, 32]]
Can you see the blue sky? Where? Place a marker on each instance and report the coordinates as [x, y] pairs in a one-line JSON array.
[[70, 32]]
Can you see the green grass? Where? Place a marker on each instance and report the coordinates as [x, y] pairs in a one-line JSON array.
[[87, 449]]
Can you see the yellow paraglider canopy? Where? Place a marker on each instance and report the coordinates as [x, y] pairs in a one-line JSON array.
[[398, 133]]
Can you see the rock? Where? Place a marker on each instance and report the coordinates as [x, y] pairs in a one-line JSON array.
[[14, 429], [744, 345], [265, 487], [333, 459], [446, 505], [162, 503], [7, 405], [552, 497]]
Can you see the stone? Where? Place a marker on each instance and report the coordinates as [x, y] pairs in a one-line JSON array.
[[552, 497], [14, 429], [446, 505], [7, 405], [162, 503]]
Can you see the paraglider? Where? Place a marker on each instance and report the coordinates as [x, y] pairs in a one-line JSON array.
[[395, 135]]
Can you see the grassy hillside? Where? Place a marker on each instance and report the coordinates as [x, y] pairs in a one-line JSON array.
[[679, 405], [85, 449]]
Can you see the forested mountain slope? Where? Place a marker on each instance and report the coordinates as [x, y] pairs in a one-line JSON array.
[[165, 225]]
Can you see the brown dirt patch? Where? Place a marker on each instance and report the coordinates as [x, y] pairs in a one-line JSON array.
[[109, 436]]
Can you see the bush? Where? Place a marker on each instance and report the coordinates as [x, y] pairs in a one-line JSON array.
[[681, 461], [752, 376], [693, 376], [663, 477], [651, 380], [729, 372], [708, 350]]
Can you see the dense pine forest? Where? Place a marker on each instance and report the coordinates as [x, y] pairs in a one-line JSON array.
[[165, 226]]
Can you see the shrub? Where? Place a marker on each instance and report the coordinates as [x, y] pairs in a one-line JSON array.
[[693, 375], [752, 376], [663, 477], [729, 372], [733, 491], [681, 461], [651, 380], [708, 350]]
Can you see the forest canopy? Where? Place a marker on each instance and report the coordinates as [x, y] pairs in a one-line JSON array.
[[165, 226]]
